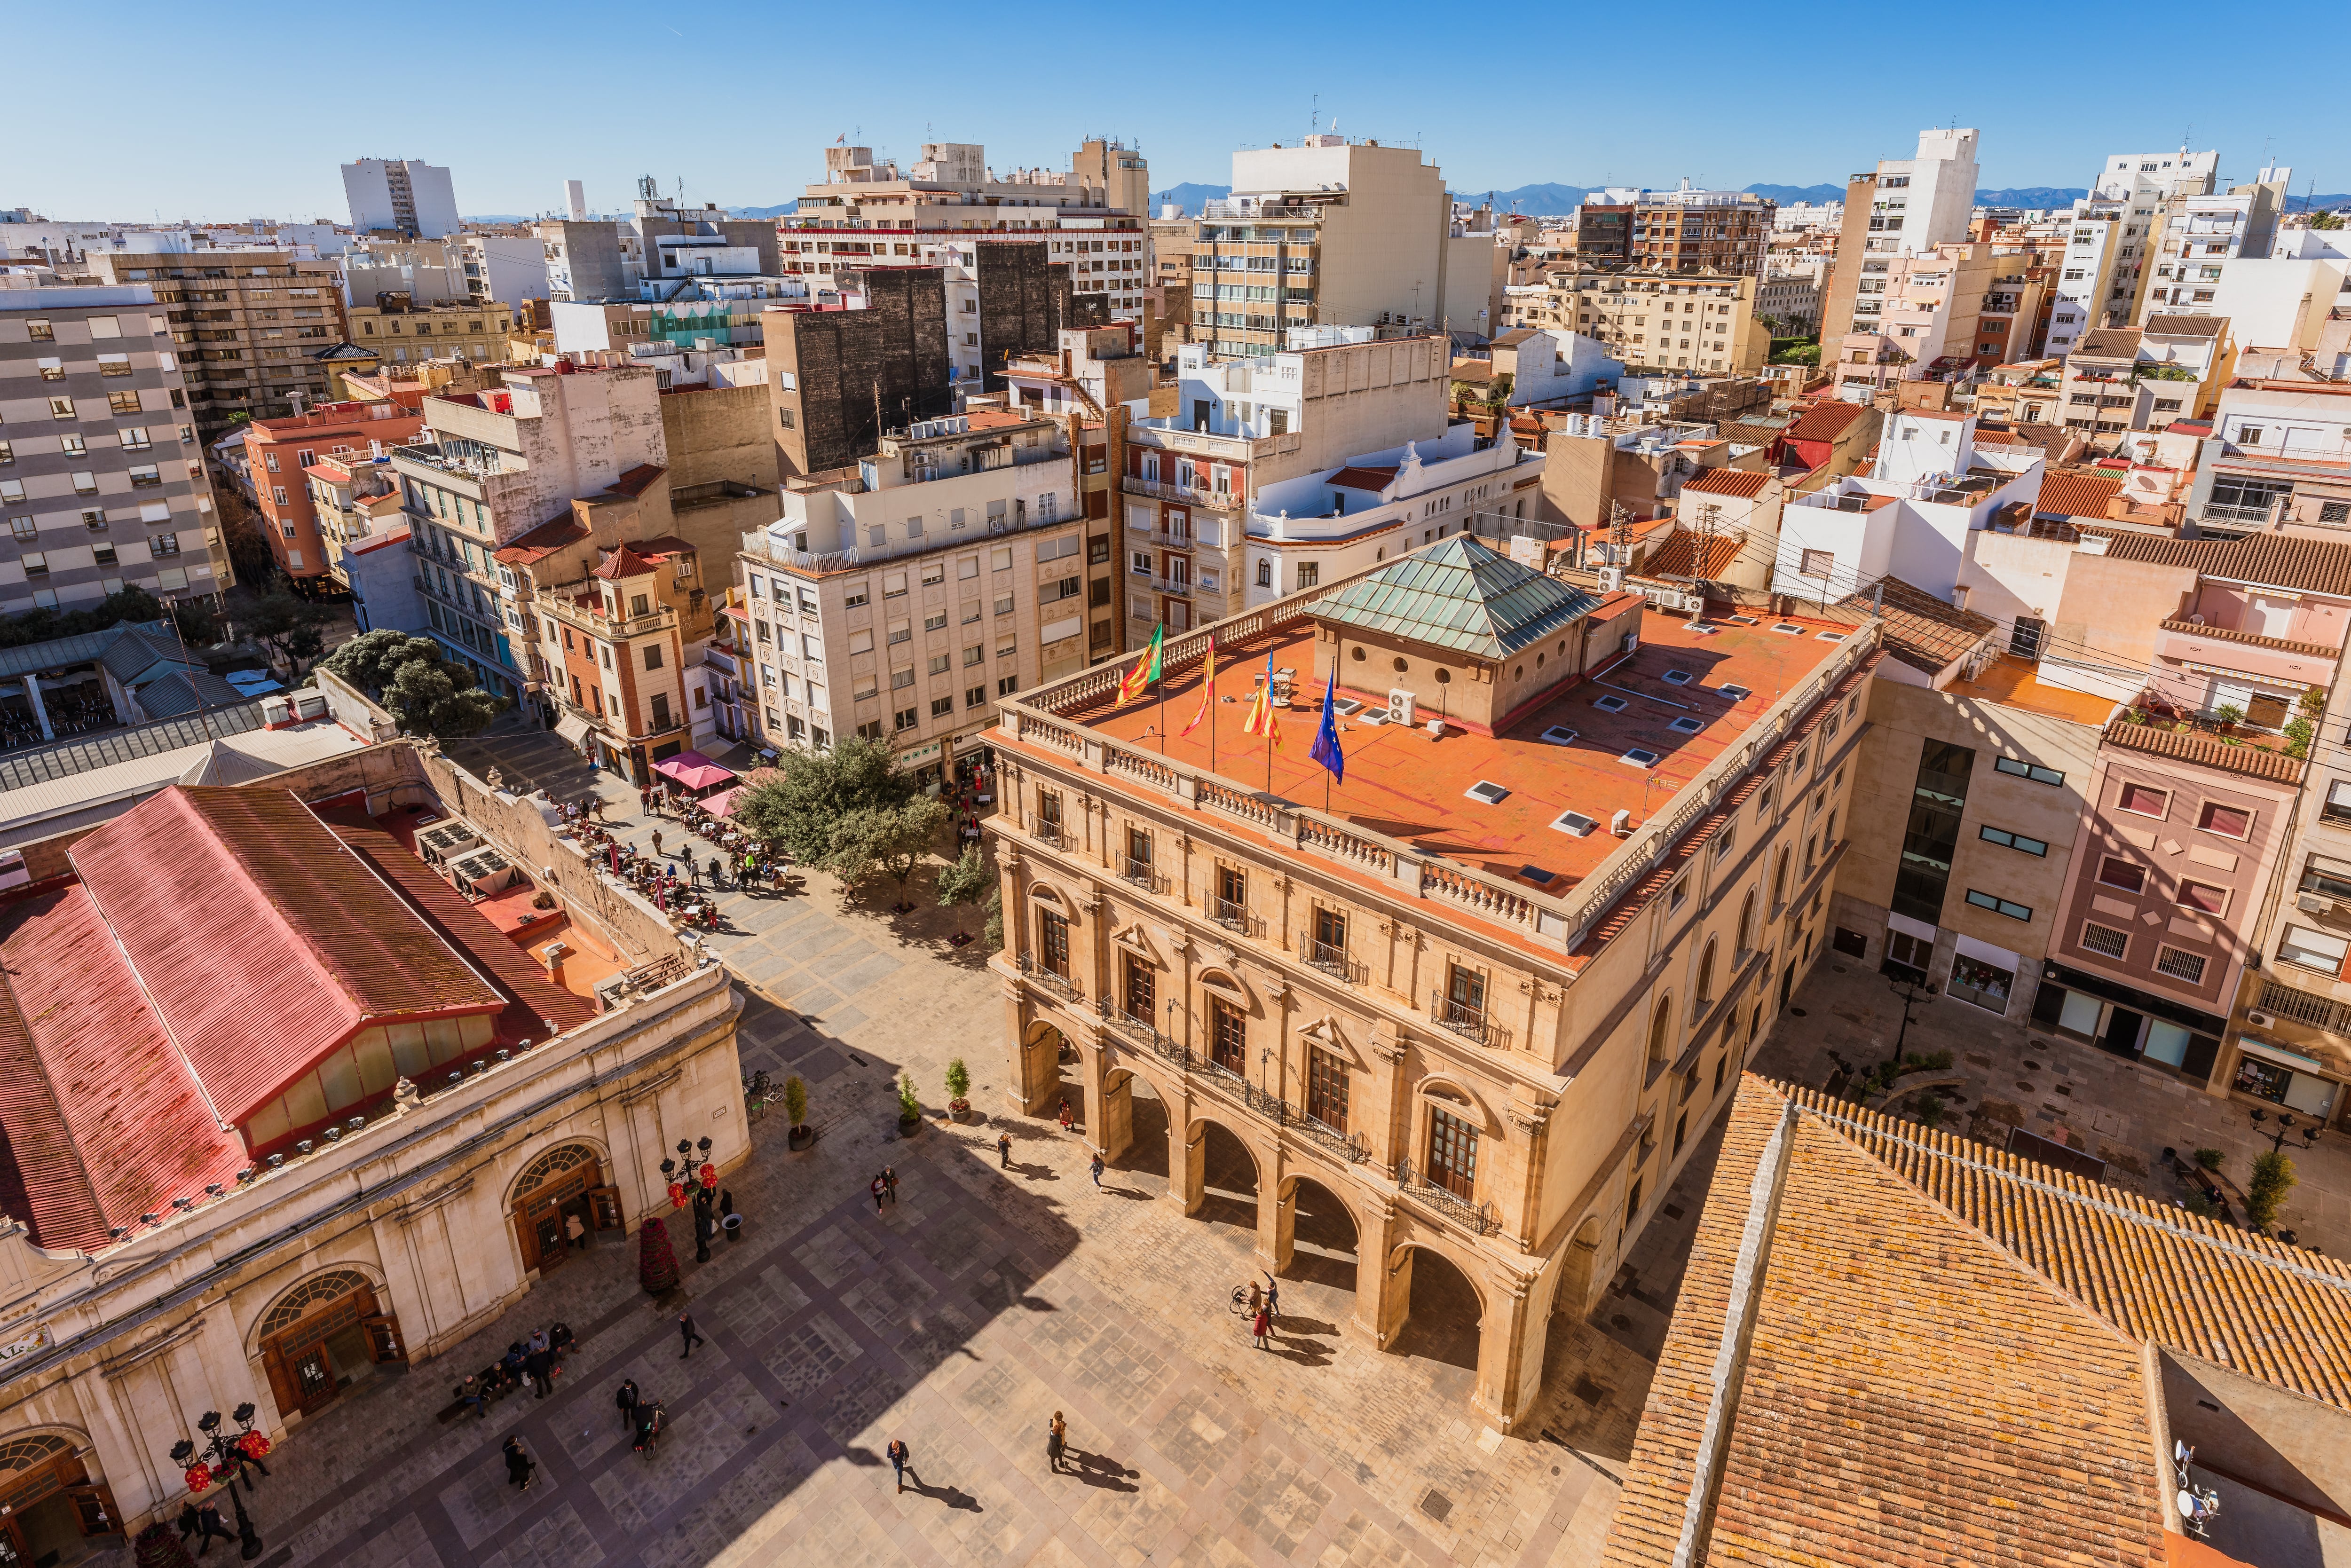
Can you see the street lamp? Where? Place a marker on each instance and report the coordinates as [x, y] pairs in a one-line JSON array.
[[2285, 1129], [688, 1177], [1912, 995], [222, 1457]]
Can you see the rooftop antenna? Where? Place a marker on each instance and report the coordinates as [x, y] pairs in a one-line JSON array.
[[1314, 113]]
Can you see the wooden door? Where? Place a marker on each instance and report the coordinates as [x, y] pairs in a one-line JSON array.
[[313, 1376], [94, 1511], [13, 1552], [384, 1342], [547, 1236], [604, 1208]]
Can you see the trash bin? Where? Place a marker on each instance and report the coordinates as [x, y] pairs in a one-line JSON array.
[[733, 1226]]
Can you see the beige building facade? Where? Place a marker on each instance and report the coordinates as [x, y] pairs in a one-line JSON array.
[[246, 324]]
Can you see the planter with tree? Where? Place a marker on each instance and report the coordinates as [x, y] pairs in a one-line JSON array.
[[967, 882], [415, 684], [958, 1090], [2273, 1177], [796, 1108], [910, 1108]]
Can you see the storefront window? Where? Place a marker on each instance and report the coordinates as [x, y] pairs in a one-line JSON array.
[[2264, 1080], [2167, 1042], [1986, 984]]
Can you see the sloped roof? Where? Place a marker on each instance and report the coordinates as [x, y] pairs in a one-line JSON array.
[[1885, 1377], [1459, 595], [1922, 631], [2186, 326], [1729, 482], [623, 562], [1824, 422], [103, 1121], [219, 897], [2205, 750], [1373, 479], [2109, 343], [134, 651], [530, 549], [637, 480], [2275, 561], [2067, 495], [182, 691], [1693, 556]]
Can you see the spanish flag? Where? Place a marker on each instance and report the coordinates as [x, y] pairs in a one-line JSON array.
[[1145, 671], [1207, 687], [1262, 720]]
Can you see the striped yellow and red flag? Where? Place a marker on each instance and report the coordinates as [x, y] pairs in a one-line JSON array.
[[1145, 669], [1207, 687], [1262, 720]]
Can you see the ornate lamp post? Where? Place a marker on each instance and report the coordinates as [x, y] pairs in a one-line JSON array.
[[2285, 1128], [222, 1457], [697, 1179]]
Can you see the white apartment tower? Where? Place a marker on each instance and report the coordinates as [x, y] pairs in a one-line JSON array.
[[408, 197], [1926, 201]]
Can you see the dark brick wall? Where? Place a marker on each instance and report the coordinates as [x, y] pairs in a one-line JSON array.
[[1025, 301], [894, 352]]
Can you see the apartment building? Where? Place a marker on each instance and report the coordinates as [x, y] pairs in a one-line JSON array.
[[2278, 458], [279, 454], [1096, 384], [397, 330], [363, 536], [490, 467], [1484, 1061], [661, 242], [1677, 230], [102, 476], [401, 196], [902, 598], [1789, 303], [2198, 232], [2086, 290], [1606, 468], [2121, 378], [1914, 316], [1653, 321], [1906, 207], [1331, 233], [244, 325], [867, 216], [620, 633], [1188, 479]]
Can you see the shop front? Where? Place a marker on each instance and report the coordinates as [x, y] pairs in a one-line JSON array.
[[564, 1184], [53, 1512], [1983, 975], [2130, 1024], [2269, 1072], [325, 1337]]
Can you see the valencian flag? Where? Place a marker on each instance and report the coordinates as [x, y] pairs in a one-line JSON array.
[[1325, 749], [1208, 688], [1145, 671], [1262, 720]]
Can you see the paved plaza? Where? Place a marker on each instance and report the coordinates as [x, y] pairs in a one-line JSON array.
[[959, 1320]]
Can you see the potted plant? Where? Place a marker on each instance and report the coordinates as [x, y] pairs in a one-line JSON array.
[[2228, 716], [159, 1546], [910, 1109], [796, 1108], [958, 1090]]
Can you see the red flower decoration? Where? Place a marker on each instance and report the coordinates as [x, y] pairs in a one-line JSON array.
[[709, 1174], [200, 1475], [253, 1445], [677, 1196]]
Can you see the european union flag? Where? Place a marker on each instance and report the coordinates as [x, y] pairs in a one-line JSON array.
[[1325, 749]]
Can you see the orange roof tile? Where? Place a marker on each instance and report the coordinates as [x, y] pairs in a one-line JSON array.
[[1729, 482], [623, 562], [1705, 558], [2205, 750], [2068, 494]]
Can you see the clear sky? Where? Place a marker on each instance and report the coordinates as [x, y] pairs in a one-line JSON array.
[[228, 114]]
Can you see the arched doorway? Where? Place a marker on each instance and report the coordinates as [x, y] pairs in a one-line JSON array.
[[1443, 1315], [565, 1183], [1322, 1235], [51, 1511], [322, 1337], [1228, 1180], [1146, 1118]]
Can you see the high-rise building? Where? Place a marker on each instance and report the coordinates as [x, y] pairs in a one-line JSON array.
[[1907, 206], [101, 479], [1677, 230], [575, 202], [246, 324], [402, 195]]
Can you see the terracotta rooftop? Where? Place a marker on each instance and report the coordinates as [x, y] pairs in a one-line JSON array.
[[621, 563], [636, 481], [2187, 326], [1729, 482], [1695, 556], [1405, 784], [1352, 478], [1898, 1346], [1922, 631], [542, 541], [2205, 750], [1824, 422], [2070, 495], [2013, 682], [2272, 560]]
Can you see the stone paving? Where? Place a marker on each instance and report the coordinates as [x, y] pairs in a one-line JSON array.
[[2080, 1095], [960, 1319]]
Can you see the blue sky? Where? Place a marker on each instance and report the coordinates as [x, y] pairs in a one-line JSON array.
[[209, 115]]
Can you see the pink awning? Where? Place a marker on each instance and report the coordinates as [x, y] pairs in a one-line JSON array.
[[722, 803], [693, 770]]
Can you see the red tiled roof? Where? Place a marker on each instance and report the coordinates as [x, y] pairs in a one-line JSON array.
[[1355, 479], [637, 480], [103, 1120], [2275, 561], [1693, 556], [1729, 482], [2205, 750], [226, 898], [623, 562], [2067, 495], [530, 549], [662, 549], [1824, 422]]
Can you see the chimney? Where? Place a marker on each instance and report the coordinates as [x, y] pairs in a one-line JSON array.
[[553, 955]]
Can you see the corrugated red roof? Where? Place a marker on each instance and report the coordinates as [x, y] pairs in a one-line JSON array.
[[636, 481], [1372, 479], [1729, 482], [261, 940], [2076, 494], [103, 1120], [542, 541]]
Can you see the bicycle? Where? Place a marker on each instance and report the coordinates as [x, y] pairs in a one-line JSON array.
[[756, 1094]]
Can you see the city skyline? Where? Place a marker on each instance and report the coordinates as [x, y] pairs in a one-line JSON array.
[[750, 152]]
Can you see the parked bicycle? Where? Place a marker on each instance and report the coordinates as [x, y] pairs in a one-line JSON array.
[[756, 1094]]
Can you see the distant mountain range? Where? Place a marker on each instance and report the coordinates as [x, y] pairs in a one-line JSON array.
[[784, 210]]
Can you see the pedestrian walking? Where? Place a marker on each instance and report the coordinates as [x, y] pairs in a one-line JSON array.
[[689, 1335], [901, 1460], [880, 1187], [521, 1468], [1097, 1168], [187, 1520], [576, 1232], [540, 1365], [717, 880], [1004, 1151], [209, 1527], [1056, 1441], [889, 1182], [1065, 1113], [657, 840], [645, 801], [1261, 1326], [627, 1400], [1272, 1297], [559, 1340]]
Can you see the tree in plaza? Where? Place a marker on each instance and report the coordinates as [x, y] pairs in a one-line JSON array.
[[133, 603], [415, 684], [161, 1546], [965, 882], [286, 624], [2273, 1177], [799, 805], [885, 840], [656, 1264]]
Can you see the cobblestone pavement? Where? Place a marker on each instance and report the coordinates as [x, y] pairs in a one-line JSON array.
[[959, 1320], [2080, 1095]]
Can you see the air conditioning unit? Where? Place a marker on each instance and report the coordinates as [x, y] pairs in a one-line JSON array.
[[1620, 824], [484, 872], [2260, 1020], [1612, 579], [1401, 704]]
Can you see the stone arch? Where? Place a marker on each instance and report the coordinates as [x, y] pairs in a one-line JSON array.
[[1702, 991], [1222, 1198], [1050, 892], [307, 1294], [1441, 1314], [37, 1445], [1228, 980], [1455, 1094], [1661, 1029], [566, 1153], [1780, 878], [1745, 943]]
